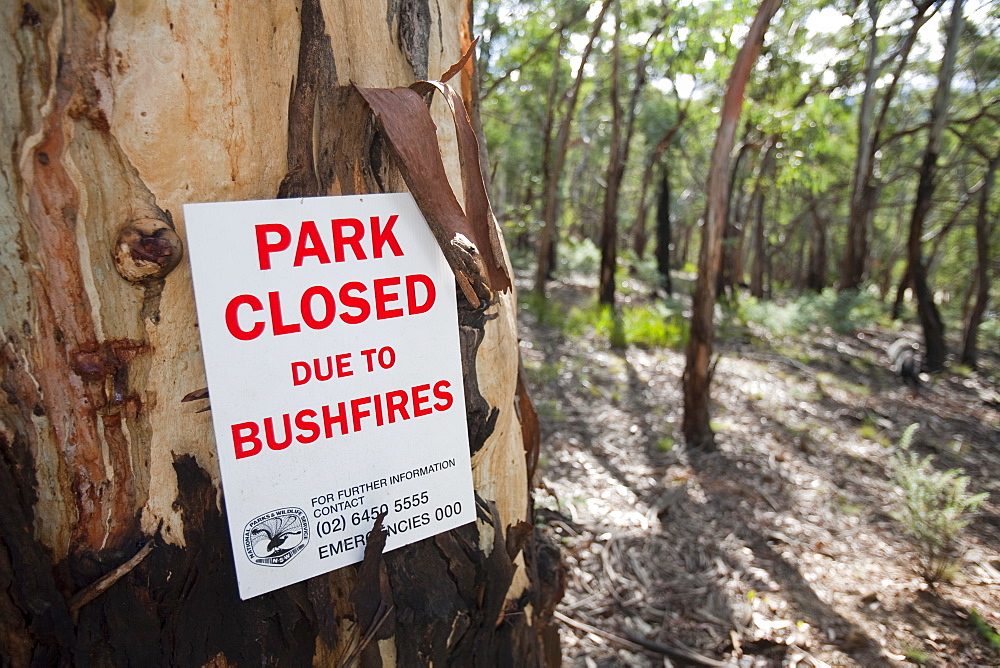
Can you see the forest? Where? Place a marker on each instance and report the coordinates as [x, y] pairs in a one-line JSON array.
[[755, 248]]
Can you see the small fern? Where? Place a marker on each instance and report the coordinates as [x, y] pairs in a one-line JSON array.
[[934, 507]]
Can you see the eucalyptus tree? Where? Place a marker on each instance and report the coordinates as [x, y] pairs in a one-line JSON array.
[[623, 130], [979, 93], [697, 377], [864, 186], [114, 548], [930, 317], [555, 152]]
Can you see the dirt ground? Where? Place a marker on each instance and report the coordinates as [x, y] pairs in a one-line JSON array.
[[779, 548]]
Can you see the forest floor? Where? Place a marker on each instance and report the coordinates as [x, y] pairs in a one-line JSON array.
[[780, 548]]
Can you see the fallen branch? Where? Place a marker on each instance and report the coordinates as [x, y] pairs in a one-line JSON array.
[[637, 643], [89, 593]]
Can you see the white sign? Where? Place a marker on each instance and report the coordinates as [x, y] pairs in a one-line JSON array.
[[330, 338]]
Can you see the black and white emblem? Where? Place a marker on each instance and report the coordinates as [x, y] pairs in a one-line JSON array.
[[274, 538]]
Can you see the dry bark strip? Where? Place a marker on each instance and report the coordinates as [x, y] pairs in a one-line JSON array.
[[463, 236]]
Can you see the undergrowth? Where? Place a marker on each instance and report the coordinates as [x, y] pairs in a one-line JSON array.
[[656, 324], [934, 507], [843, 312], [985, 630]]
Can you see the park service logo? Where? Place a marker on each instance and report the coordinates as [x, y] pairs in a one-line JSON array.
[[274, 538]]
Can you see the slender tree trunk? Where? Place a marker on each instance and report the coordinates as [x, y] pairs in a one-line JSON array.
[[731, 267], [684, 250], [548, 164], [798, 276], [757, 249], [663, 232], [639, 226], [114, 547], [856, 247], [896, 248], [557, 159], [969, 346], [613, 176], [620, 148], [759, 242], [816, 276], [639, 234], [864, 190], [697, 428], [905, 283], [739, 246], [930, 319]]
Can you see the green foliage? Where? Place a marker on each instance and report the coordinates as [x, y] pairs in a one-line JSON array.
[[934, 506], [989, 334], [543, 372], [917, 656], [546, 311], [843, 312], [647, 326], [985, 630], [579, 257], [665, 444], [659, 324]]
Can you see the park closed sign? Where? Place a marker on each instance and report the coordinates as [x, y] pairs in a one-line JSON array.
[[330, 336]]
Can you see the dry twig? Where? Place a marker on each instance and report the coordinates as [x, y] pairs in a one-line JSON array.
[[637, 643], [89, 593]]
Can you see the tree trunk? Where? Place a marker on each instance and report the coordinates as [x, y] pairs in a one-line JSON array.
[[663, 232], [557, 159], [816, 276], [114, 548], [731, 267], [969, 347], [548, 255], [930, 319], [856, 247], [697, 428], [759, 241], [639, 226], [797, 278], [905, 283], [616, 168], [621, 143], [864, 190]]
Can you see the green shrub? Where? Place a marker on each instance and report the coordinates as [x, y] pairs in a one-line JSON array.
[[985, 630], [917, 656], [843, 312], [548, 312], [645, 270], [665, 444], [579, 257], [934, 507], [656, 325]]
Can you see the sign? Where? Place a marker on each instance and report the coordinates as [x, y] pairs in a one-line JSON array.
[[330, 335]]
